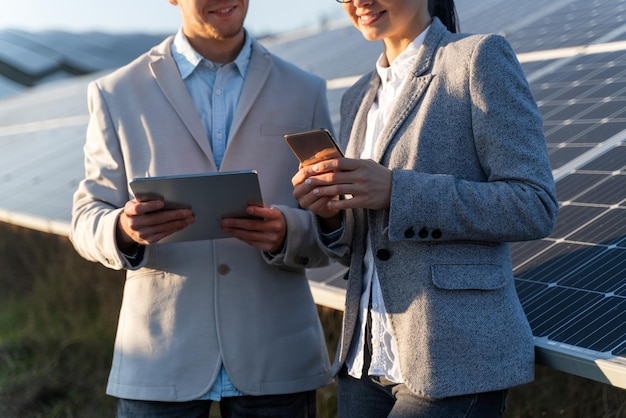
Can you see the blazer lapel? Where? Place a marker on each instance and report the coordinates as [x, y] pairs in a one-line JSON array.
[[413, 89], [258, 72], [412, 92], [359, 126], [168, 78]]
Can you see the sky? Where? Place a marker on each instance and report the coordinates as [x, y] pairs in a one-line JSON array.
[[155, 16]]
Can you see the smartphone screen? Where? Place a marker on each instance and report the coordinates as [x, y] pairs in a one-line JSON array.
[[313, 146]]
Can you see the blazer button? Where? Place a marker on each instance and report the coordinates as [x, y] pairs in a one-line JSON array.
[[436, 234], [302, 260], [409, 233], [223, 269], [423, 233], [383, 254]]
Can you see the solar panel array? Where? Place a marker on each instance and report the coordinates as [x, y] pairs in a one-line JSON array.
[[43, 117], [572, 284], [31, 59]]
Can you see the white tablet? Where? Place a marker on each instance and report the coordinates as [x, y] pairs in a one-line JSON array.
[[211, 197]]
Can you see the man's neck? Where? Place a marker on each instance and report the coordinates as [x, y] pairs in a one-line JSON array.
[[219, 51]]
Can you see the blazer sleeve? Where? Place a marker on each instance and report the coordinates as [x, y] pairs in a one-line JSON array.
[[103, 192], [516, 199], [301, 247]]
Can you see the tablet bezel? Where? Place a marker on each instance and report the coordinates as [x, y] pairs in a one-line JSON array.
[[211, 197]]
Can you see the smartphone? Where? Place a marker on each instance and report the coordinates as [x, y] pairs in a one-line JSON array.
[[313, 146]]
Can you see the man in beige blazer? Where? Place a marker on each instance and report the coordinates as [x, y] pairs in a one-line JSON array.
[[229, 320]]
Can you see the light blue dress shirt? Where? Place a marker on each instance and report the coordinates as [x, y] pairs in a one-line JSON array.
[[215, 90]]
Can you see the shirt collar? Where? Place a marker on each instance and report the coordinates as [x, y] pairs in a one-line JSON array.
[[188, 59], [401, 66]]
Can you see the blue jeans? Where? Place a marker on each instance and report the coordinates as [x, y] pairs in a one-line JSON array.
[[294, 405], [377, 397]]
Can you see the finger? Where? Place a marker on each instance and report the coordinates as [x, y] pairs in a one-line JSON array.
[[262, 225], [148, 229], [134, 207], [153, 234], [243, 224], [315, 170], [301, 191], [321, 207], [264, 240], [246, 235], [265, 212], [308, 200], [303, 174], [345, 204], [336, 165], [159, 218]]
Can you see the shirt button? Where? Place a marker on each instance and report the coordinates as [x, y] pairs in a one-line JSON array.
[[375, 305], [223, 269], [409, 233], [437, 233], [423, 233]]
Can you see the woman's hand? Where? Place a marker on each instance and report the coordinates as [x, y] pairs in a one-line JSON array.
[[364, 184]]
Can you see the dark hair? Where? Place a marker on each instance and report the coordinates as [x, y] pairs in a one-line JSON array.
[[446, 12]]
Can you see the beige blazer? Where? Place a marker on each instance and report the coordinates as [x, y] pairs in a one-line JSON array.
[[188, 305]]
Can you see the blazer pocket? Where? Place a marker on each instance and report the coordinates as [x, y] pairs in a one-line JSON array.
[[468, 276]]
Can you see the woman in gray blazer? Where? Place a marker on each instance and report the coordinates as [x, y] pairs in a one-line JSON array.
[[446, 163]]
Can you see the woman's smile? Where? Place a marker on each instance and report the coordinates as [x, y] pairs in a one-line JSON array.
[[369, 19]]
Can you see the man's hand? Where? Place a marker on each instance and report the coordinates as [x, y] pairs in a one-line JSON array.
[[266, 233], [147, 222]]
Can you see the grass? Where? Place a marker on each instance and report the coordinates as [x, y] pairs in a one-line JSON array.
[[58, 315]]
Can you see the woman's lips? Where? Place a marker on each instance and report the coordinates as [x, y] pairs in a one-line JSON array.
[[370, 18]]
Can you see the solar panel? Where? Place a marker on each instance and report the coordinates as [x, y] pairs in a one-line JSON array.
[[572, 284], [29, 59]]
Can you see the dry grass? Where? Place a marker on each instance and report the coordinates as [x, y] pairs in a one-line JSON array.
[[58, 315]]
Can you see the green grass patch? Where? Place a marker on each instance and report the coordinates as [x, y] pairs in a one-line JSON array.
[[58, 315]]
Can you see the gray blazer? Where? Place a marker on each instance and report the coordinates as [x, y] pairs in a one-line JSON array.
[[187, 304], [470, 174]]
